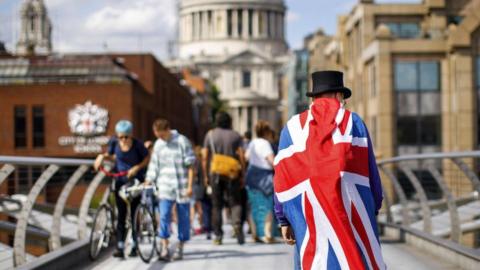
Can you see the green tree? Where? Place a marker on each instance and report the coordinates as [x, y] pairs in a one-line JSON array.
[[218, 105]]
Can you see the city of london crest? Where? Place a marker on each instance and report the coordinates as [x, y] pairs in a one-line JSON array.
[[88, 119]]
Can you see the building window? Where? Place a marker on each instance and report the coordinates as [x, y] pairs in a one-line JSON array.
[[250, 22], [229, 23], [454, 19], [20, 128], [404, 29], [219, 24], [38, 121], [246, 79], [417, 87], [209, 19], [412, 76], [240, 22]]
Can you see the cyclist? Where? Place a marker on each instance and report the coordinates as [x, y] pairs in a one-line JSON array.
[[129, 154], [171, 168]]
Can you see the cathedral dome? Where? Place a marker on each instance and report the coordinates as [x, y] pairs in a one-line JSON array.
[[225, 27]]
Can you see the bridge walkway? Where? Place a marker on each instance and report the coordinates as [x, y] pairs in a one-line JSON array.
[[202, 254]]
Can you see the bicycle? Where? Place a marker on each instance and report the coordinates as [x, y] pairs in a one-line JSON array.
[[103, 227], [145, 223]]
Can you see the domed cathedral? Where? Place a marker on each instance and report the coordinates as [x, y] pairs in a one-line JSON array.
[[36, 29], [239, 45]]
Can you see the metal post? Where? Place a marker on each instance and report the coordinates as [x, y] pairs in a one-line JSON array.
[[54, 240], [456, 231], [87, 198], [6, 170], [19, 256], [401, 195], [422, 196], [468, 172]]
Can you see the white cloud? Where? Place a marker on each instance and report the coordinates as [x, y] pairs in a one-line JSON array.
[[86, 25], [292, 16], [145, 16], [56, 3]]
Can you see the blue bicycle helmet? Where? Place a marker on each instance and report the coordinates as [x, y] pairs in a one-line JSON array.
[[124, 126]]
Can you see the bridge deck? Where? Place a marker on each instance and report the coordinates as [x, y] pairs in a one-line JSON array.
[[201, 254]]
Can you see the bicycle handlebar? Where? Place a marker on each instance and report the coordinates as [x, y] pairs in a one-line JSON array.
[[110, 174]]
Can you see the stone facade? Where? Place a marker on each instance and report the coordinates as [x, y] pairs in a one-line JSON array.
[[414, 71], [239, 46]]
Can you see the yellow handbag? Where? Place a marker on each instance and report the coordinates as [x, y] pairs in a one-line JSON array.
[[224, 165]]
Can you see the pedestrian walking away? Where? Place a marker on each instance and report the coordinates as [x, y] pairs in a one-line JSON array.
[[130, 155], [327, 187], [259, 179], [223, 164], [171, 168]]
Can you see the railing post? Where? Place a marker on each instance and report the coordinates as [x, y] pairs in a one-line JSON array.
[[427, 214], [6, 170], [19, 256], [468, 172], [401, 195], [456, 231], [87, 198], [54, 240]]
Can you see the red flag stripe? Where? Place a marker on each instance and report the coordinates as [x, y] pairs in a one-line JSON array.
[[310, 250], [358, 224]]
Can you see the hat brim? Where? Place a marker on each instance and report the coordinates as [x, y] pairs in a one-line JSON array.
[[346, 92]]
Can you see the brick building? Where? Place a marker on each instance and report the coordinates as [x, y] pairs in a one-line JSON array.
[[67, 106], [37, 95]]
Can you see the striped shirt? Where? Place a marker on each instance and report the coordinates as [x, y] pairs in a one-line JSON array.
[[169, 165]]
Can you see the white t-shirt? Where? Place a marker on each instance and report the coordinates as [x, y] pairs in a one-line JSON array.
[[257, 152]]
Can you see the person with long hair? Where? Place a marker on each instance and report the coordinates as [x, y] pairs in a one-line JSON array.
[[260, 183]]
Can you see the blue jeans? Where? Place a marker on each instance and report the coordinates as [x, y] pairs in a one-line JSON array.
[[183, 219]]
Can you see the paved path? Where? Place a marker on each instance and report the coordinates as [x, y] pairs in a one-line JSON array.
[[201, 254]]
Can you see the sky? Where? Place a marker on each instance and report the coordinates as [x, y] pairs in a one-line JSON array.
[[148, 25]]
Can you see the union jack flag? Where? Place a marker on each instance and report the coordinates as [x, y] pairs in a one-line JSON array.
[[328, 189]]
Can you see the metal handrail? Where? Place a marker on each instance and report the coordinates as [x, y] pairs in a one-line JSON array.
[[53, 165], [468, 154], [44, 161], [402, 163]]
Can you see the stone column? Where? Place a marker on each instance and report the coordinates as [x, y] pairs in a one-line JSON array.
[[205, 30], [195, 26], [256, 32], [189, 27], [235, 23], [245, 24]]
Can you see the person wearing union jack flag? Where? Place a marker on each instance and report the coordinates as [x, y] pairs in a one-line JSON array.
[[327, 186]]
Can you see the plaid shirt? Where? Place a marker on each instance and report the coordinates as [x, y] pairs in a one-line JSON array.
[[169, 165]]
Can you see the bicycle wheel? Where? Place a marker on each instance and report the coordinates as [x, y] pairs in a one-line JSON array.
[[144, 225], [101, 231]]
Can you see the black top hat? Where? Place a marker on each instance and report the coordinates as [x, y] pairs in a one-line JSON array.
[[328, 81]]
